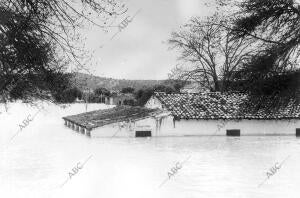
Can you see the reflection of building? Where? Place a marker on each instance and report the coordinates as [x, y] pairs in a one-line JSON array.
[[188, 115], [120, 99]]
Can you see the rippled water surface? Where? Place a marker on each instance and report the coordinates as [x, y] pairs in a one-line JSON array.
[[38, 161]]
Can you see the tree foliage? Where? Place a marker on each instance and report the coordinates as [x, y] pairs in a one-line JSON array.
[[275, 27], [68, 95], [38, 38], [102, 91], [143, 95], [127, 90]]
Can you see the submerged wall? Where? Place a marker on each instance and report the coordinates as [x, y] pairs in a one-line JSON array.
[[166, 126], [124, 129], [219, 127]]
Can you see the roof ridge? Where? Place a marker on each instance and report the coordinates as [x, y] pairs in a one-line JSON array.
[[111, 115], [217, 105], [200, 93]]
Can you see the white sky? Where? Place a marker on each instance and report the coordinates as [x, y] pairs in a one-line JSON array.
[[140, 51]]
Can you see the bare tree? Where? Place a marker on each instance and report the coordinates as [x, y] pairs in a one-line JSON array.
[[209, 53]]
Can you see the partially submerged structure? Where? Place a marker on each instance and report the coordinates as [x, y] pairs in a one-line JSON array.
[[189, 114], [222, 114], [119, 121]]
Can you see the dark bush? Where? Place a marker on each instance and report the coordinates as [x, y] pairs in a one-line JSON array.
[[129, 102], [102, 91], [143, 95], [127, 90], [68, 95]]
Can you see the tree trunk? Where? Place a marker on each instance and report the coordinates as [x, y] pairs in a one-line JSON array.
[[217, 84]]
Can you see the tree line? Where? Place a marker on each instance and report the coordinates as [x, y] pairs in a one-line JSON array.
[[249, 46], [101, 94]]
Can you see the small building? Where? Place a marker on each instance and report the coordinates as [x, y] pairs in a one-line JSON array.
[[120, 99], [188, 115], [120, 121]]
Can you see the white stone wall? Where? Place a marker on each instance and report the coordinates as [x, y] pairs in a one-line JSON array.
[[219, 127], [124, 129], [153, 103], [198, 127]]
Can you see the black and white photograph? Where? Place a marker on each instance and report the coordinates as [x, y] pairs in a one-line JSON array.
[[149, 98]]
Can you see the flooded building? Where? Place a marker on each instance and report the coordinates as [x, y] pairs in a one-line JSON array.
[[188, 114], [120, 121], [222, 114]]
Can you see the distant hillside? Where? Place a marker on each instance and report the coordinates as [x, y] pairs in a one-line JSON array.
[[84, 81]]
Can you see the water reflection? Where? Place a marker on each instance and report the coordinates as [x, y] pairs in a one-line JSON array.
[[135, 167]]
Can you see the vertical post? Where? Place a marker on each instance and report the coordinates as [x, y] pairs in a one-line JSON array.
[[297, 132], [88, 132]]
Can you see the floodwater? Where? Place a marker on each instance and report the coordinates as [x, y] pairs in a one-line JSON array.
[[39, 160]]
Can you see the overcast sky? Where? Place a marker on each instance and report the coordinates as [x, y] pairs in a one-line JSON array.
[[140, 51]]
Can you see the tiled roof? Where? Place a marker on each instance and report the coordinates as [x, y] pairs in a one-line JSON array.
[[94, 119], [220, 106]]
